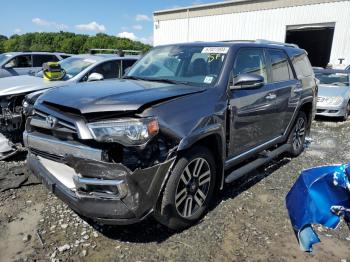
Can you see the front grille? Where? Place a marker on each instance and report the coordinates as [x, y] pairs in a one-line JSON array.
[[49, 125], [60, 123]]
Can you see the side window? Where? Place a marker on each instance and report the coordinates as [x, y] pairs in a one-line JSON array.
[[20, 61], [39, 60], [126, 64], [280, 67], [302, 65], [65, 56], [108, 69], [250, 61]]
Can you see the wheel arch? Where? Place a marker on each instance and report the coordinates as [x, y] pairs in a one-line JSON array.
[[214, 142]]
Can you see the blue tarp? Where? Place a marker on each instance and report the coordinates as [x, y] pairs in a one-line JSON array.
[[321, 195]]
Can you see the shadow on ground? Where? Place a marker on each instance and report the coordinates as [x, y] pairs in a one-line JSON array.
[[151, 231]]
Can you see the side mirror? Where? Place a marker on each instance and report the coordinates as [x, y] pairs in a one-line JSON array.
[[247, 81], [95, 77]]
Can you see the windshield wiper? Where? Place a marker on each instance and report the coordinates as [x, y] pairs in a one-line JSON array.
[[134, 78], [163, 80]]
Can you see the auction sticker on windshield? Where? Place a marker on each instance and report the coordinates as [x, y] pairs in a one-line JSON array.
[[208, 79], [215, 50]]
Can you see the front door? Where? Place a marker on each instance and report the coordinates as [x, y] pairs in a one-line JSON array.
[[19, 65], [253, 112]]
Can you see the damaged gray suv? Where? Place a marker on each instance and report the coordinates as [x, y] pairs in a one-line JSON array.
[[161, 141]]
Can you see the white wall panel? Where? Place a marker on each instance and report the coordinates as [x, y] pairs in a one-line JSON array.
[[265, 24]]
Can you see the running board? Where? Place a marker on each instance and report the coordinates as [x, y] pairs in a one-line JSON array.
[[256, 163]]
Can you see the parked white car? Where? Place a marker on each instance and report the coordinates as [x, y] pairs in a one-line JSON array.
[[24, 63]]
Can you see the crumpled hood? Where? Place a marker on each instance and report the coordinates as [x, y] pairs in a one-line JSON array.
[[328, 90], [25, 84], [115, 95]]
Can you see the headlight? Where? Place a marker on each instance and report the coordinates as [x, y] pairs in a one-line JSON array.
[[125, 131], [25, 104], [333, 100]]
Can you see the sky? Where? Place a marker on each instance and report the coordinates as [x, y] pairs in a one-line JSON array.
[[125, 18]]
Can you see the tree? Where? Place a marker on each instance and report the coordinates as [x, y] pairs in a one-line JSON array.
[[67, 42]]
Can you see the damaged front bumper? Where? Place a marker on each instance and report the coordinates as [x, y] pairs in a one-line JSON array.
[[109, 193], [7, 148]]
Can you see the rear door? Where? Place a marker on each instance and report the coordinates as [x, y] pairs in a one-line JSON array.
[[253, 112], [287, 88]]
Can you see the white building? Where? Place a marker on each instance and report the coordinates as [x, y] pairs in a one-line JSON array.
[[322, 27]]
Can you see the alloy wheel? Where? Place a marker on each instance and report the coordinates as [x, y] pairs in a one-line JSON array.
[[193, 187], [299, 133]]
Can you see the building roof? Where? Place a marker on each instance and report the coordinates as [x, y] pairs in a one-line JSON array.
[[232, 6]]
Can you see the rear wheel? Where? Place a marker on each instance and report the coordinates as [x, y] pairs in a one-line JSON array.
[[188, 190], [297, 135]]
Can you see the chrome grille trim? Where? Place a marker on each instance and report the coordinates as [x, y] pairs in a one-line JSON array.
[[59, 148], [60, 122]]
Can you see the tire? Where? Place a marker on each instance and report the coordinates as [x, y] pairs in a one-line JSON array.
[[347, 110], [188, 190], [297, 135]]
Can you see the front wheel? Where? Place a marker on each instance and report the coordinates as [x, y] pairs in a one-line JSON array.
[[189, 189], [297, 136], [347, 111]]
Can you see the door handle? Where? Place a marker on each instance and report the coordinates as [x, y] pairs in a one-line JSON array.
[[271, 96]]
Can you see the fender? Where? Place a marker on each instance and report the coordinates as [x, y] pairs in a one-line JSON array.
[[303, 101], [216, 130]]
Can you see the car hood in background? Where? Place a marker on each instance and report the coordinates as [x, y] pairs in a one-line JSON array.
[[115, 95], [327, 90], [25, 84]]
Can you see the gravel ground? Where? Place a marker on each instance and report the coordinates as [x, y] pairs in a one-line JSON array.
[[247, 222]]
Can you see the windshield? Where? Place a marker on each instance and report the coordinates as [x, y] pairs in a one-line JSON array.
[[336, 79], [193, 65], [73, 66], [4, 57]]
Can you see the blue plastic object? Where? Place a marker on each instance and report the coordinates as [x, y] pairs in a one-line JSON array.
[[321, 195]]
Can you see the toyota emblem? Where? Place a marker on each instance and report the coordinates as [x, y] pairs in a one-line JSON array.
[[51, 121]]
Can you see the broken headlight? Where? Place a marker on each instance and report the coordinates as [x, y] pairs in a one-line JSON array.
[[125, 131]]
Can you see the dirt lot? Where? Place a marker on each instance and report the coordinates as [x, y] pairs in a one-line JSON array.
[[247, 222]]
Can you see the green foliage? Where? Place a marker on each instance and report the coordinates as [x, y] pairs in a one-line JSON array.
[[2, 41], [66, 42]]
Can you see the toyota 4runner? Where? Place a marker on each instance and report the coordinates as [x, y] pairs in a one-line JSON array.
[[161, 141]]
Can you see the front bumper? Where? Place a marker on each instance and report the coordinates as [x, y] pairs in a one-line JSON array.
[[134, 196], [330, 111]]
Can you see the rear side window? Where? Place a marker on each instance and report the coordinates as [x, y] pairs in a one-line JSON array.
[[39, 60], [126, 64], [280, 67], [250, 61], [65, 56], [302, 65]]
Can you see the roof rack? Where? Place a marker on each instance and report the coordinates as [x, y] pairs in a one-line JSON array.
[[119, 52], [233, 41], [264, 41]]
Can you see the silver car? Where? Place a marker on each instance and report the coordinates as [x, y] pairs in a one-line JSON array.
[[79, 68], [334, 93], [24, 63]]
